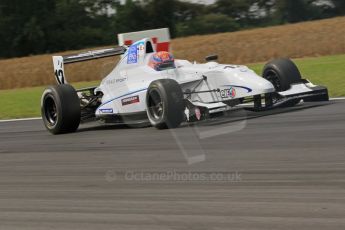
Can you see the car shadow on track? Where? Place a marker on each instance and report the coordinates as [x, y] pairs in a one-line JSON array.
[[240, 114], [232, 116]]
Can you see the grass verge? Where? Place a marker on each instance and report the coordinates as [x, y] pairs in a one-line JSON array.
[[328, 71], [26, 102]]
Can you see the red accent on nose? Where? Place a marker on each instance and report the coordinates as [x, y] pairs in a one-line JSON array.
[[164, 46], [128, 42], [155, 40]]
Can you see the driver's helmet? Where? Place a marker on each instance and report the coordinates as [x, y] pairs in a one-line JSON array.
[[161, 61]]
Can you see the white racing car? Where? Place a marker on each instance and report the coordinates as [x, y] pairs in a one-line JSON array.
[[149, 87]]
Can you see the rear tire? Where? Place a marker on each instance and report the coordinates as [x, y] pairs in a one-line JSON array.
[[60, 109], [282, 73], [165, 104]]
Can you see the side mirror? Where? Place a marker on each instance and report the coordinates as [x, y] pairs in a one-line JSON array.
[[211, 58]]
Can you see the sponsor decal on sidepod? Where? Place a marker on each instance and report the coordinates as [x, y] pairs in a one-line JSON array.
[[130, 100], [106, 111], [228, 93]]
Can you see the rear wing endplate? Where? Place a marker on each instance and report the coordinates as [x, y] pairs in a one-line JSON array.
[[59, 61]]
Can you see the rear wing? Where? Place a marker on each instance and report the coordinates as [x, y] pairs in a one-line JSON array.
[[60, 61], [160, 38]]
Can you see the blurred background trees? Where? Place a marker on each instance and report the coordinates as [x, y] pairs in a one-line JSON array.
[[43, 26]]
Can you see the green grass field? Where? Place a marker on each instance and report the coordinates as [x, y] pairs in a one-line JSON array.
[[26, 102], [328, 71]]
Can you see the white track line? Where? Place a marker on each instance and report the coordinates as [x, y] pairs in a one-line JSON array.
[[337, 99], [23, 119], [39, 118]]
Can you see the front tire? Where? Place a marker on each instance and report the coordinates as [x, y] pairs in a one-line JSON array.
[[165, 104], [60, 109], [282, 73]]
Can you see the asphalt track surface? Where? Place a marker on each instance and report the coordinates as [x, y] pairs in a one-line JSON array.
[[278, 170]]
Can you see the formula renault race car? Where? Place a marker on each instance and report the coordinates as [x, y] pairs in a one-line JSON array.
[[152, 88]]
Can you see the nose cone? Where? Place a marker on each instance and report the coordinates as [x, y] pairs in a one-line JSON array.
[[258, 84], [265, 86]]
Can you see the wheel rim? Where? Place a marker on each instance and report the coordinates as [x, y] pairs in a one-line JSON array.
[[155, 105], [273, 77], [50, 111]]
